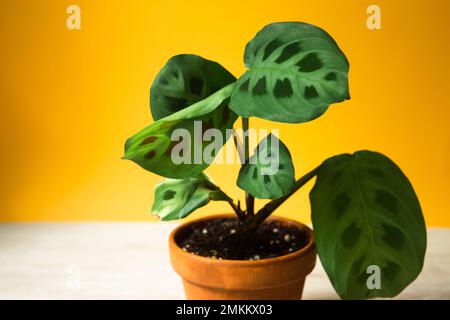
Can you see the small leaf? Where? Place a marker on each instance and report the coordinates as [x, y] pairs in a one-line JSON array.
[[185, 80], [365, 213], [159, 147], [295, 71], [177, 198], [269, 174]]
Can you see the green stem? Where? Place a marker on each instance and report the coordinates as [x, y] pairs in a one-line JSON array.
[[249, 199], [239, 146], [270, 207]]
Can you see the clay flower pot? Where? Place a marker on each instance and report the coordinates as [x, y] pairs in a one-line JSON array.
[[267, 279]]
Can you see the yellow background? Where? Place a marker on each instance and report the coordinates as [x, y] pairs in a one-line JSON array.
[[69, 99]]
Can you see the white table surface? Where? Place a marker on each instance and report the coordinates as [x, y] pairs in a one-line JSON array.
[[130, 261]]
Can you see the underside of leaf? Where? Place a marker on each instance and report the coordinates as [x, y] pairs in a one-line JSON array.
[[157, 147]]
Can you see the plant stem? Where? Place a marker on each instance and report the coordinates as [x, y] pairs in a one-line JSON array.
[[222, 196], [270, 207], [239, 146], [249, 199], [237, 209]]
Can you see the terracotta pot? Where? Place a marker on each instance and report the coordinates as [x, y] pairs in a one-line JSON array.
[[267, 279]]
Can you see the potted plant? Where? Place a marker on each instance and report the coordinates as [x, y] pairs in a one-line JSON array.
[[369, 231]]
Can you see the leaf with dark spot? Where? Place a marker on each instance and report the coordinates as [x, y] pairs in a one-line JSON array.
[[196, 85], [177, 198], [169, 194], [391, 271], [260, 88], [148, 140], [289, 51], [393, 237], [311, 92], [341, 203], [255, 173], [271, 47], [283, 89], [331, 76], [365, 210], [175, 104], [150, 155], [172, 144], [152, 147], [185, 80], [350, 235], [269, 173], [310, 63], [386, 200], [304, 71], [244, 86]]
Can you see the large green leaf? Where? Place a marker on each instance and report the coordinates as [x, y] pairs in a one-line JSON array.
[[295, 71], [269, 173], [185, 80], [177, 198], [156, 149], [365, 213]]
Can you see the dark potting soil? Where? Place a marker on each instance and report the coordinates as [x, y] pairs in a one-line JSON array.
[[224, 238]]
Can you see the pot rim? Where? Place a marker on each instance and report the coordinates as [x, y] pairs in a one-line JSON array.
[[294, 255]]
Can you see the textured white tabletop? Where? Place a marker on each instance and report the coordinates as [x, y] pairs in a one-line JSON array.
[[130, 261]]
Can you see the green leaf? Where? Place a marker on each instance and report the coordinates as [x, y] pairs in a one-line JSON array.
[[365, 213], [185, 80], [295, 71], [159, 148], [269, 174], [177, 198]]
